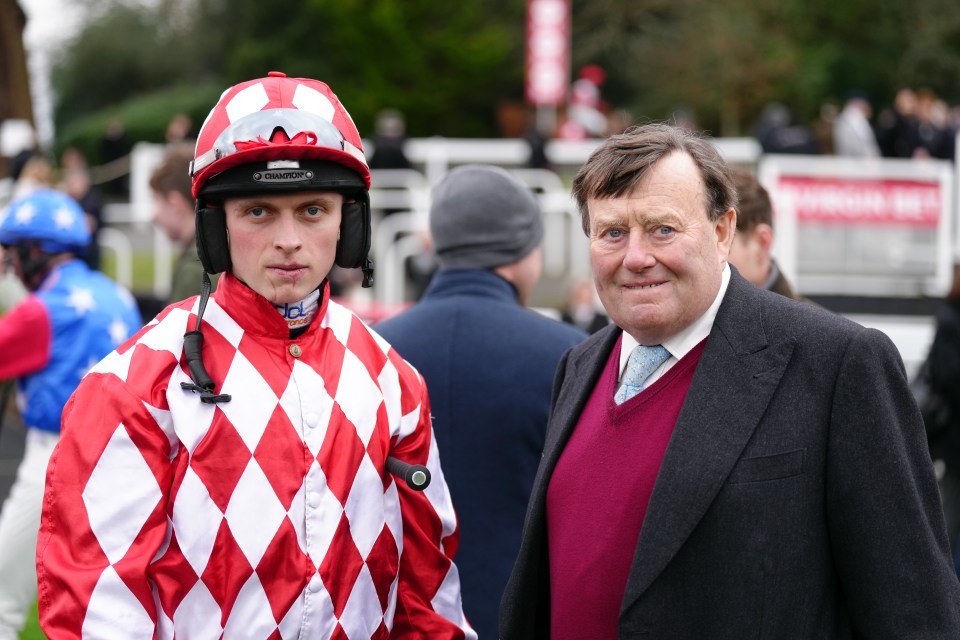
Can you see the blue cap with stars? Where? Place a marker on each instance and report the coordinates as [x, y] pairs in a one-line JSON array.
[[46, 217]]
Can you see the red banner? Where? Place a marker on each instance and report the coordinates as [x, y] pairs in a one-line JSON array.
[[890, 202], [548, 52]]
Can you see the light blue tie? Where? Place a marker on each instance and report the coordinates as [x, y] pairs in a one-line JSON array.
[[643, 361]]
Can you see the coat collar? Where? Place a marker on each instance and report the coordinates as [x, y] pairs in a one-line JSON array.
[[473, 282]]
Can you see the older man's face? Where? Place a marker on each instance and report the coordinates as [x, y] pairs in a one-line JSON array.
[[657, 257]]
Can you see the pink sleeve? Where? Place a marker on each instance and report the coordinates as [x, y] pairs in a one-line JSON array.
[[25, 338]]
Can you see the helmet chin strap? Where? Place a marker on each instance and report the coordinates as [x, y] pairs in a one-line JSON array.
[[193, 348], [367, 270]]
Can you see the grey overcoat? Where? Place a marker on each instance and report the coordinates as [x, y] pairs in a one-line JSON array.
[[796, 498]]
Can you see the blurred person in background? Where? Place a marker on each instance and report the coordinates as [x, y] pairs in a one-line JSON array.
[[822, 127], [752, 248], [489, 364], [853, 135], [897, 126], [179, 130], [78, 184], [174, 211], [34, 174], [582, 309], [114, 149], [944, 380], [536, 136], [389, 141], [252, 430], [586, 112], [389, 138], [778, 131], [936, 139], [73, 317]]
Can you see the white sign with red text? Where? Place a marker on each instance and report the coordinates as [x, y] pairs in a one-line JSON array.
[[872, 201], [886, 212]]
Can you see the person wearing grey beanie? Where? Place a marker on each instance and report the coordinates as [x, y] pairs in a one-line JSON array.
[[489, 364], [482, 217]]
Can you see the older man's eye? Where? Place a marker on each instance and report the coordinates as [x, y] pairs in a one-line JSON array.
[[615, 233]]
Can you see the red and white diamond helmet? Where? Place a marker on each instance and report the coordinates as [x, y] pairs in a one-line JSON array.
[[274, 135], [276, 119]]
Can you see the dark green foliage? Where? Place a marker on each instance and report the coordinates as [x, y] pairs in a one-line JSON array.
[[726, 59], [144, 117], [445, 65], [449, 65]]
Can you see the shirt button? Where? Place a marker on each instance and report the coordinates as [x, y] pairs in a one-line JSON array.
[[312, 420], [296, 351]]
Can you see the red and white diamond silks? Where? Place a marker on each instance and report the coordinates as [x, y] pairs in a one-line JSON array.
[[269, 516]]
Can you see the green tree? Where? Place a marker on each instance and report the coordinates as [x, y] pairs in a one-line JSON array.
[[727, 59], [444, 65], [447, 66]]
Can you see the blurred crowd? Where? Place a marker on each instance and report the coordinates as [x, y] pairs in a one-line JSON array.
[[916, 124]]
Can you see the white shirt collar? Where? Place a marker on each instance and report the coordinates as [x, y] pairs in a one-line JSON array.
[[680, 344]]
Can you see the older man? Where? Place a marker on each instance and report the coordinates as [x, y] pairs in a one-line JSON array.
[[723, 462]]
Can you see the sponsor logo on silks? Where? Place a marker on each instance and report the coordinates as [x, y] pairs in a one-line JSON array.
[[299, 322], [299, 314], [283, 175], [291, 311]]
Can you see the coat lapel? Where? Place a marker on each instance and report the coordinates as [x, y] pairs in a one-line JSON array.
[[738, 372], [580, 374], [583, 371]]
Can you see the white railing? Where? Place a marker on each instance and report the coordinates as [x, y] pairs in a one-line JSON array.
[[117, 242], [406, 194], [399, 236]]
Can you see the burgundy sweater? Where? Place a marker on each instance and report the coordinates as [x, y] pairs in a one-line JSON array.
[[598, 496]]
